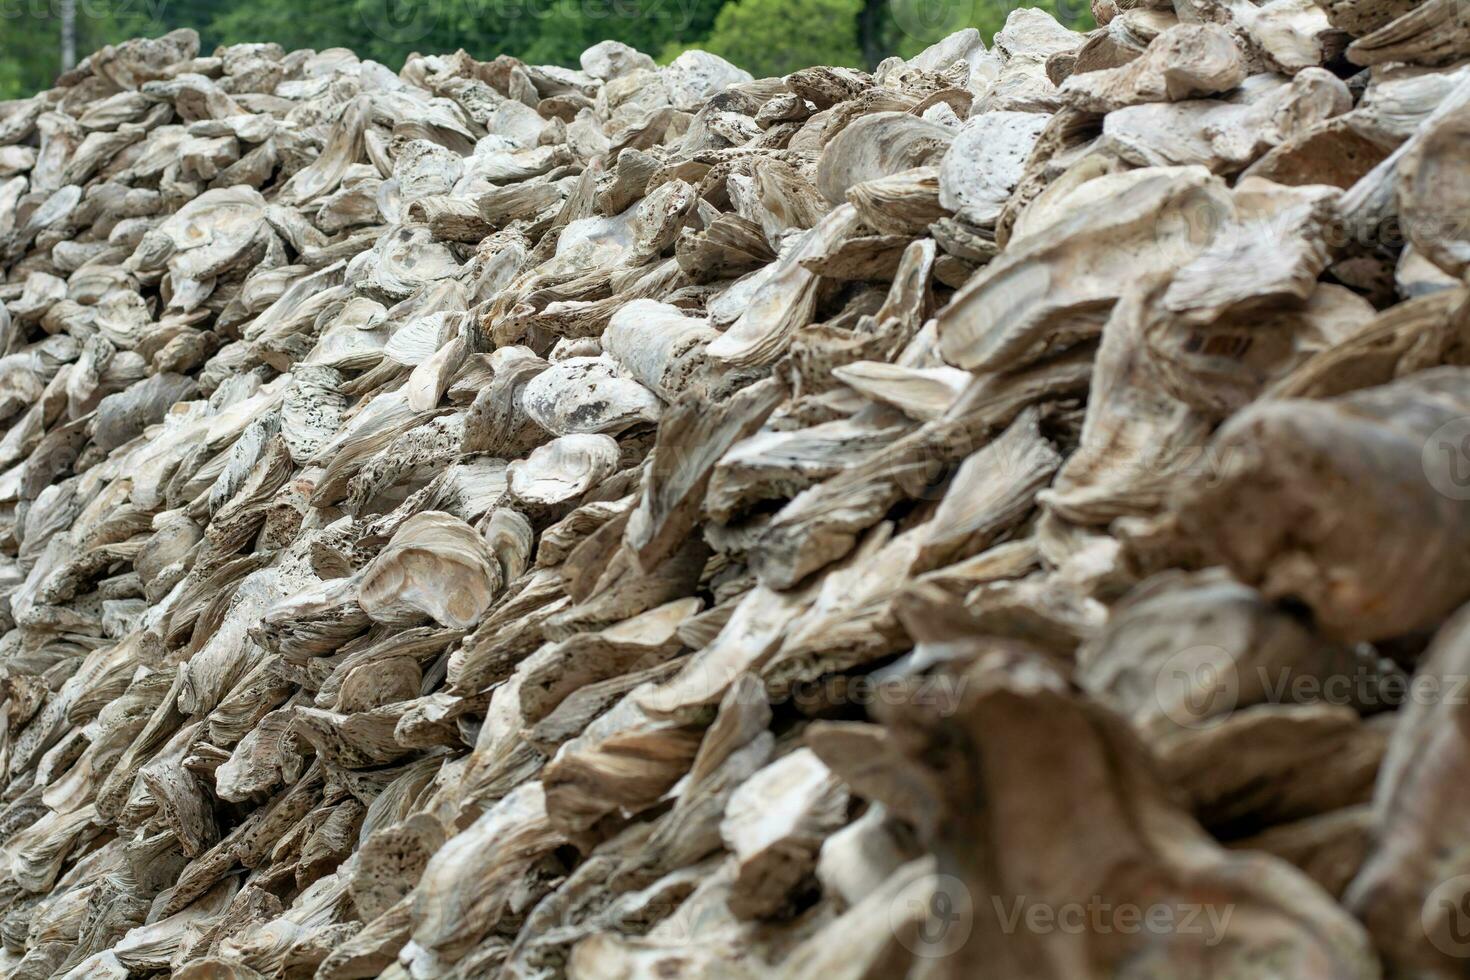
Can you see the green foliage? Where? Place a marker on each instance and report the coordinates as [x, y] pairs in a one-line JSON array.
[[912, 25], [774, 37], [318, 24], [539, 31], [909, 26], [30, 37], [767, 37], [569, 27]]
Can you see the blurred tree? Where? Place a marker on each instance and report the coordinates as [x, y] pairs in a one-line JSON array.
[[566, 28], [67, 21], [27, 55], [289, 23], [906, 27], [774, 37], [31, 37]]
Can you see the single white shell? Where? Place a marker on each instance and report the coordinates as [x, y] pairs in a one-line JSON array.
[[419, 339], [985, 161], [783, 301], [609, 59], [657, 344], [208, 236], [696, 75], [920, 393], [563, 469], [356, 337], [407, 258], [435, 566], [878, 145], [587, 394]]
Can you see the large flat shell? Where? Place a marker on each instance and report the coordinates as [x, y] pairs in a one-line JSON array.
[[435, 566], [587, 395]]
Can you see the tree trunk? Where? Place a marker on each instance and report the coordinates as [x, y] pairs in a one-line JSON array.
[[870, 28], [68, 34]]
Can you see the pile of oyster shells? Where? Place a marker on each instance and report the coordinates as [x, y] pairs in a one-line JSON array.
[[1003, 515]]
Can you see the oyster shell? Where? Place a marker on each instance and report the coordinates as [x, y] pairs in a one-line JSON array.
[[435, 565]]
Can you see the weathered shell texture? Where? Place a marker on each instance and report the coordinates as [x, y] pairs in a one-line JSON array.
[[435, 565], [1003, 514]]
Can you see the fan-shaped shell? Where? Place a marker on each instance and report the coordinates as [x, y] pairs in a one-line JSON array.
[[587, 395], [436, 566], [563, 469]]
